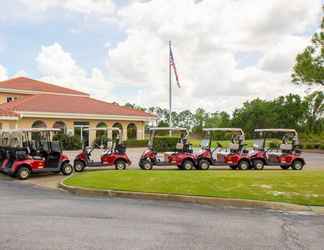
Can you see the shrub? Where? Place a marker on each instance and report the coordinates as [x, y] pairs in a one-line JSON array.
[[164, 144], [309, 146], [101, 141], [132, 143], [274, 145], [321, 146], [68, 142]]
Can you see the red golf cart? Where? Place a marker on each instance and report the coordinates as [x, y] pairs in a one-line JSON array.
[[4, 145], [220, 156], [286, 156], [182, 156], [7, 143], [26, 156], [114, 153]]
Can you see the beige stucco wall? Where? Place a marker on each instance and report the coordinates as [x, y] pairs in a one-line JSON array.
[[28, 122]]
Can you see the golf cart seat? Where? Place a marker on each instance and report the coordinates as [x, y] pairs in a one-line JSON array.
[[120, 148], [234, 147], [219, 153], [286, 147]]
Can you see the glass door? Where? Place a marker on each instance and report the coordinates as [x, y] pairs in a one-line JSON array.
[[81, 130]]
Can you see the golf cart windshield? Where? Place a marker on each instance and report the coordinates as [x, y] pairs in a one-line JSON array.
[[258, 144], [106, 137], [234, 135], [161, 136]]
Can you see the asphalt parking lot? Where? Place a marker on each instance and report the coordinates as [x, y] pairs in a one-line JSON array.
[[32, 217], [314, 161]]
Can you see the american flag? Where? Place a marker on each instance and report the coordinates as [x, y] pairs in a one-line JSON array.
[[172, 64]]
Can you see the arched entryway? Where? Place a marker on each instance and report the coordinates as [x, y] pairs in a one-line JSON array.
[[131, 131], [60, 125], [38, 124]]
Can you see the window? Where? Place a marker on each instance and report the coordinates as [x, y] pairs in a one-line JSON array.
[[9, 99], [80, 130]]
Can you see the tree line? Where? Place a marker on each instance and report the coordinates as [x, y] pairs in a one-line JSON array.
[[291, 111]]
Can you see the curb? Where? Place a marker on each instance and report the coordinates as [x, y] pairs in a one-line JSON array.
[[201, 200]]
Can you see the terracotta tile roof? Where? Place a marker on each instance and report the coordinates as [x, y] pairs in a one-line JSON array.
[[24, 83], [69, 104], [4, 112]]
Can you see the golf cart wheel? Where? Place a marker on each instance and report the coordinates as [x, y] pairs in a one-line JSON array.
[[234, 167], [66, 169], [79, 166], [120, 165], [258, 165], [284, 167], [146, 165], [23, 173], [297, 165], [204, 165], [244, 165], [187, 165]]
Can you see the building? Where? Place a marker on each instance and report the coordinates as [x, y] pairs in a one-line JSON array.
[[27, 103]]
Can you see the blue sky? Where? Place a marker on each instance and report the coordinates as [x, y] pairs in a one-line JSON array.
[[84, 39], [117, 50]]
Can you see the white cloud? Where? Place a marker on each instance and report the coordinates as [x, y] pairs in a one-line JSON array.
[[57, 66], [281, 56], [208, 35], [3, 73], [87, 7]]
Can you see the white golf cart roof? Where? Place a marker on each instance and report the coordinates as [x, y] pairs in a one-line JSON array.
[[285, 130], [167, 129], [224, 129]]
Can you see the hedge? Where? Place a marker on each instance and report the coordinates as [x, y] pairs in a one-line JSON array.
[[68, 142], [164, 144], [132, 143], [313, 146]]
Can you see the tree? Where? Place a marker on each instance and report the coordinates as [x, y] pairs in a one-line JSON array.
[[186, 119], [134, 106], [254, 114], [200, 118], [289, 112], [315, 102], [309, 68]]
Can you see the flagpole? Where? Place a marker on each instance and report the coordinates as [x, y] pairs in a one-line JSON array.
[[170, 90]]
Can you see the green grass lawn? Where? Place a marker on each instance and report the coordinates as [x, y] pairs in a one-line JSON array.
[[304, 187]]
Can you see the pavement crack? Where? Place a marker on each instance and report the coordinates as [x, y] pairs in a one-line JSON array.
[[290, 235]]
